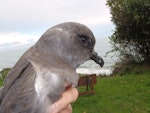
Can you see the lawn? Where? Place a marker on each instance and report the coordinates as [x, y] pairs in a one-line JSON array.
[[117, 94]]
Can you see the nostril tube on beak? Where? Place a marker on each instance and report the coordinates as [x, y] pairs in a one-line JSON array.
[[97, 59]]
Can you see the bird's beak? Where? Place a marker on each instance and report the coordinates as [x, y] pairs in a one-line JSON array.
[[97, 59]]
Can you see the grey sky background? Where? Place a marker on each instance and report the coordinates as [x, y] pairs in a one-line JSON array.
[[34, 17]]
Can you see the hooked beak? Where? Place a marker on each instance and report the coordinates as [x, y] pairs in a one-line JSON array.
[[97, 59]]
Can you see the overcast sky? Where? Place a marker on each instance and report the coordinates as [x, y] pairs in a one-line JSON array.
[[34, 17]]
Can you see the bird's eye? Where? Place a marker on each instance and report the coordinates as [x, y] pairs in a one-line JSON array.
[[85, 40]]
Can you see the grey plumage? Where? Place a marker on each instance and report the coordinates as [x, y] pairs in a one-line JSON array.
[[39, 77]]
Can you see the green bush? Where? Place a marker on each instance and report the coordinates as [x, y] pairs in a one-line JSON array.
[[131, 37], [3, 74], [131, 68]]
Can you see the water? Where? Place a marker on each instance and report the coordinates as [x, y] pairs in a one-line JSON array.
[[102, 47], [11, 52]]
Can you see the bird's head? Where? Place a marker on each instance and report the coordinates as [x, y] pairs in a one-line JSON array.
[[72, 42]]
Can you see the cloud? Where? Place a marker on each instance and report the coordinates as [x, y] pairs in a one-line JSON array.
[[27, 15], [10, 41], [16, 38]]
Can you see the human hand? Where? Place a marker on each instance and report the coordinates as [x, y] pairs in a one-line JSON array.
[[63, 105]]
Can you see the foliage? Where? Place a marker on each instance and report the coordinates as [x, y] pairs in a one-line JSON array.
[[117, 94], [3, 74], [131, 38], [131, 68]]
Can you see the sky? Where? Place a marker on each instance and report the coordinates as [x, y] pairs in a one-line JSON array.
[[22, 20]]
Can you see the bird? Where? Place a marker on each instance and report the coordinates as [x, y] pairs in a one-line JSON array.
[[42, 73]]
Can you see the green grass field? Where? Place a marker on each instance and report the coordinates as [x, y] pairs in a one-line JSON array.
[[117, 94]]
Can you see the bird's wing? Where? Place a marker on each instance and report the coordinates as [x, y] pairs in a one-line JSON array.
[[19, 84], [18, 92], [14, 73]]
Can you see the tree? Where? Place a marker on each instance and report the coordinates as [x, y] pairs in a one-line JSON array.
[[131, 37]]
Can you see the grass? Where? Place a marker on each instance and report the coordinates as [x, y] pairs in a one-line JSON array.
[[117, 94]]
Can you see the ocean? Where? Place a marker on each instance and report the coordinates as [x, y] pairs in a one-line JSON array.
[[11, 52]]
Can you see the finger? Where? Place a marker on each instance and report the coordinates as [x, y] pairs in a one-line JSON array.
[[67, 97], [68, 109]]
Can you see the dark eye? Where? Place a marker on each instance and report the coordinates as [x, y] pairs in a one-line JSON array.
[[85, 40]]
